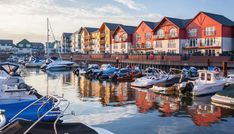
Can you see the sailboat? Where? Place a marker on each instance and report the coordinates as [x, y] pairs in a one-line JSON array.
[[52, 64]]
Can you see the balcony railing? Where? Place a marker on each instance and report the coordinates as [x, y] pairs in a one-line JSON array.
[[210, 33], [102, 41], [102, 35], [202, 45], [165, 36]]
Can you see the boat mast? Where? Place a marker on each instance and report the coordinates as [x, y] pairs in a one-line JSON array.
[[48, 37]]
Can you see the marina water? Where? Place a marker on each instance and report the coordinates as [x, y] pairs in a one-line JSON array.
[[117, 107]]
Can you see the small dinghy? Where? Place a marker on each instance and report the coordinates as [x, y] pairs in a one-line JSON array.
[[224, 98]]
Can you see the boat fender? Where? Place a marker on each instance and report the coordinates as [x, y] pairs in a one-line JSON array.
[[2, 118]]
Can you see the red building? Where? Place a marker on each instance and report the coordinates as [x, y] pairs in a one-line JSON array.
[[123, 39], [210, 34], [170, 35], [143, 37]]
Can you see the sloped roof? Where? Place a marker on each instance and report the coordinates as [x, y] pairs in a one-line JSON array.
[[91, 29], [67, 34], [181, 23], [37, 45], [112, 26], [6, 41], [152, 25], [220, 18], [128, 29]]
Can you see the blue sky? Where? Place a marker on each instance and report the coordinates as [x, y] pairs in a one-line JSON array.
[[27, 18]]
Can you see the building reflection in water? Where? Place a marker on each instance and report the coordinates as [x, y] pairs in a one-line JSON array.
[[204, 115], [145, 101], [108, 93], [201, 112]]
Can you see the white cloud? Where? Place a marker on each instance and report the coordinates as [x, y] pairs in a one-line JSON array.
[[109, 9], [130, 4], [27, 18]]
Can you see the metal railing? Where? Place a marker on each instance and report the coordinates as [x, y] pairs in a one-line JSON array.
[[54, 98]]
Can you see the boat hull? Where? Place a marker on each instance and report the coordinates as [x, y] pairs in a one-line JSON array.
[[207, 89], [12, 107]]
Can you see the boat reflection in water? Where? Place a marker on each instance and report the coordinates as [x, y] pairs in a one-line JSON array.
[[95, 102]]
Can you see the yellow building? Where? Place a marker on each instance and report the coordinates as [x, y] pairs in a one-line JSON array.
[[106, 31], [86, 39], [95, 42]]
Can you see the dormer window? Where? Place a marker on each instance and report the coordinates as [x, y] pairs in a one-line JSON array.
[[173, 32], [160, 33], [138, 37], [192, 32], [148, 36], [116, 38], [209, 31], [124, 37]]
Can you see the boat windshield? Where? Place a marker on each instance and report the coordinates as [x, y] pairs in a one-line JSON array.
[[217, 76]]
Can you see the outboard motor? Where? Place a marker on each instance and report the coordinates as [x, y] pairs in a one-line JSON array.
[[2, 118], [187, 89]]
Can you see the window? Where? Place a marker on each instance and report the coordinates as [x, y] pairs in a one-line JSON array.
[[192, 32], [171, 44], [148, 36], [116, 38], [210, 31], [138, 45], [160, 33], [173, 32], [148, 44], [202, 76], [124, 37], [208, 77], [138, 37], [28, 45], [122, 46], [158, 44], [115, 46], [21, 45]]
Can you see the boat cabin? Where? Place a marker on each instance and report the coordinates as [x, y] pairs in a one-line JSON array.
[[207, 76]]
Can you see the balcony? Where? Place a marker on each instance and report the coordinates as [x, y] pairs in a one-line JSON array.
[[166, 36], [87, 37], [102, 49], [102, 42], [202, 46], [102, 35]]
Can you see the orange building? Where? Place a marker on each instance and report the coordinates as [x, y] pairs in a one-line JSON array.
[[143, 37], [123, 39], [209, 34]]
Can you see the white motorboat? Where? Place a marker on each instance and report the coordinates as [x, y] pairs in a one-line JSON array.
[[208, 82], [149, 81], [57, 65], [12, 85], [34, 62], [167, 87], [229, 79]]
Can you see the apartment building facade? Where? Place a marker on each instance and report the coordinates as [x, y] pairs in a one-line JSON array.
[[123, 39], [142, 41]]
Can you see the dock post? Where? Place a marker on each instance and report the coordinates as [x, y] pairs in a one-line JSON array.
[[208, 63], [224, 69]]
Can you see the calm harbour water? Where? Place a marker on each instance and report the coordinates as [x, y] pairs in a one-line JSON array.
[[122, 110]]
